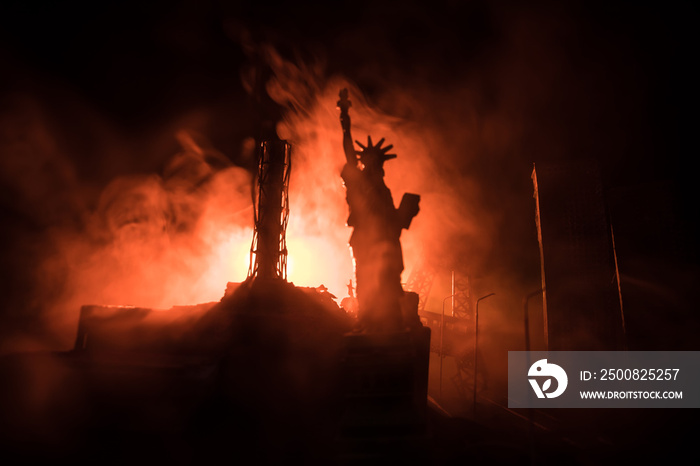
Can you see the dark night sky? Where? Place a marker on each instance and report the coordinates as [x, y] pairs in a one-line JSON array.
[[139, 65], [621, 91]]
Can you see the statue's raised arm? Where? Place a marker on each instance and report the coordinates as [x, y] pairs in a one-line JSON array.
[[344, 104]]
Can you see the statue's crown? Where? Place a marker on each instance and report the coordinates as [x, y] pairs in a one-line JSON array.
[[374, 153]]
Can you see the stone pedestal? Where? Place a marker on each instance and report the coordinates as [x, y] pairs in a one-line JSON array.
[[385, 385]]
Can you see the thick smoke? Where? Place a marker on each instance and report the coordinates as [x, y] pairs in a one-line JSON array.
[[151, 240], [177, 235], [449, 223]]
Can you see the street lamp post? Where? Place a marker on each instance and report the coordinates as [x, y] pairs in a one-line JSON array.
[[526, 317], [442, 332], [526, 322], [476, 341]]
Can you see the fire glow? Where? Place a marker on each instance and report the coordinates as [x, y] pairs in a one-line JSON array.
[[177, 237]]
